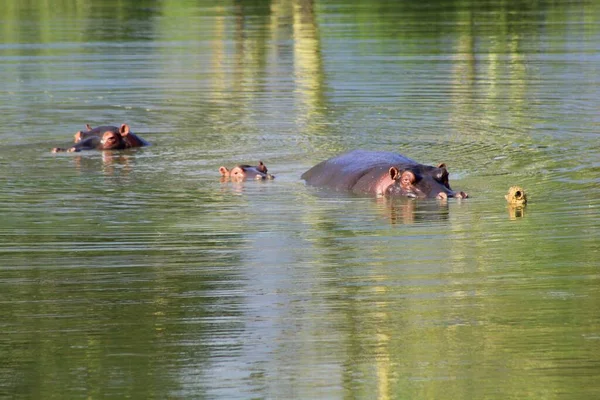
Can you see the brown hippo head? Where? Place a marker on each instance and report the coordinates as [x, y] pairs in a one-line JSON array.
[[246, 172], [411, 182]]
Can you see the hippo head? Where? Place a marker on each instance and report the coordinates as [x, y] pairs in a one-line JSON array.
[[124, 130], [412, 182], [246, 172], [112, 141]]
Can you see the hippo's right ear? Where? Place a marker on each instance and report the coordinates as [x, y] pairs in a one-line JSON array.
[[394, 173], [88, 126], [224, 171], [262, 167], [124, 130]]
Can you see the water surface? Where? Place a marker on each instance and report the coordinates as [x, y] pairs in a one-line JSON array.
[[140, 274]]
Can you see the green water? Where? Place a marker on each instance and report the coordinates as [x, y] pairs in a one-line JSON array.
[[139, 274]]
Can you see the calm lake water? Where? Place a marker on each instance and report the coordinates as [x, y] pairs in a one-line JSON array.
[[139, 274]]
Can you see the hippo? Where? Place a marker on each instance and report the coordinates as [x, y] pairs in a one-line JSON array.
[[382, 173], [104, 138], [246, 172]]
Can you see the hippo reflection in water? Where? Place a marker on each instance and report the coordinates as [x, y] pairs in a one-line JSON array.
[[381, 173], [241, 173], [105, 137]]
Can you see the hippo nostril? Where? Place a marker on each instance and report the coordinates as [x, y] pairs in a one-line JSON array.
[[518, 194]]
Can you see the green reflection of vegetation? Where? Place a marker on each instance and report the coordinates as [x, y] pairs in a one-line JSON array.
[[245, 42], [80, 21], [495, 315]]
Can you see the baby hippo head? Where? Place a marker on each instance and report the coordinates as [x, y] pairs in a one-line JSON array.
[[241, 173]]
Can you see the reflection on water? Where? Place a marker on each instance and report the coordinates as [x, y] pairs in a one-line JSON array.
[[515, 212], [113, 162], [410, 211], [140, 274]]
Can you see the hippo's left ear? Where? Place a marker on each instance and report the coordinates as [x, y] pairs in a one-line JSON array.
[[124, 129], [224, 171], [394, 173], [442, 165]]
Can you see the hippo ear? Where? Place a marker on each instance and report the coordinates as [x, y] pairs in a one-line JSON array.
[[124, 130], [262, 167], [224, 171], [442, 174], [394, 173], [88, 126]]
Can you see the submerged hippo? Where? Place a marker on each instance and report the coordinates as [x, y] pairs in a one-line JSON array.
[[246, 172], [382, 173], [104, 138]]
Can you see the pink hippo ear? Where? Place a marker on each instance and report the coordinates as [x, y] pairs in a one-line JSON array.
[[442, 165], [224, 171], [88, 126], [394, 173], [124, 130]]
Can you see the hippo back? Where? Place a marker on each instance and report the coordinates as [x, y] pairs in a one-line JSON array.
[[344, 171]]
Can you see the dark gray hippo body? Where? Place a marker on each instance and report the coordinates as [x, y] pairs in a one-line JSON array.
[[381, 173]]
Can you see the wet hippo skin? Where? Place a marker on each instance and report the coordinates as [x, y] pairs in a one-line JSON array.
[[381, 173], [106, 137]]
